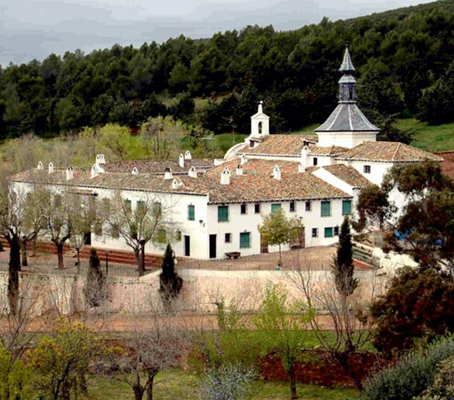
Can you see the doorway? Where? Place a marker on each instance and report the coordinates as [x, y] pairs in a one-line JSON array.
[[213, 246], [187, 246]]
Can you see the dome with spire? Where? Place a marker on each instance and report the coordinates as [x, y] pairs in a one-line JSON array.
[[347, 117]]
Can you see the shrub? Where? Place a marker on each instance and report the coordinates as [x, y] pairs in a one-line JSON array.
[[443, 387], [414, 373]]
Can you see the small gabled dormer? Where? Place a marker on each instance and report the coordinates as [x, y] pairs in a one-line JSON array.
[[69, 173], [277, 173], [168, 174], [192, 172], [40, 166], [239, 170], [176, 183], [135, 171], [225, 176], [181, 160], [187, 155], [51, 168]]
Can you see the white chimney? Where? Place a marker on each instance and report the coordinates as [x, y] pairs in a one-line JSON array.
[[225, 176], [69, 173], [94, 171], [181, 161], [243, 159], [192, 172], [40, 165], [239, 169], [301, 167], [305, 155], [176, 183], [277, 173], [188, 155], [51, 167], [135, 171], [100, 159], [168, 173]]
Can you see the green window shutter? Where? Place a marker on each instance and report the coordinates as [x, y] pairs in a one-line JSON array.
[[275, 207], [223, 213], [328, 232], [346, 207], [245, 240], [191, 213], [326, 208]]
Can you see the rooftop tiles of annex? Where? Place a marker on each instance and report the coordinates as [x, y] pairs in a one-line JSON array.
[[280, 145], [390, 152], [256, 184]]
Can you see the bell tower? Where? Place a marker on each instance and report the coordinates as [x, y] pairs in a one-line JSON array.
[[260, 123]]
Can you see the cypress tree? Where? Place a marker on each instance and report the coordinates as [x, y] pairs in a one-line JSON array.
[[170, 283], [343, 268]]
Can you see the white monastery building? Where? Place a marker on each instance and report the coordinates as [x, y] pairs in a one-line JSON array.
[[216, 205]]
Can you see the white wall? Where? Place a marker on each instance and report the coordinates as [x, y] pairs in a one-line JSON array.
[[345, 139], [249, 223]]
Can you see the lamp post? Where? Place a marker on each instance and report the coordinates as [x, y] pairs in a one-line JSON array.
[[107, 261]]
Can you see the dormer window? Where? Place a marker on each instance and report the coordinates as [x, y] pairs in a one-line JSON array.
[[251, 144]]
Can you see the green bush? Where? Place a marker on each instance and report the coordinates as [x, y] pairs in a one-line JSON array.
[[443, 387], [413, 374]]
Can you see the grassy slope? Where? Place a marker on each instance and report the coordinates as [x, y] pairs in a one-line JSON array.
[[179, 385], [430, 138]]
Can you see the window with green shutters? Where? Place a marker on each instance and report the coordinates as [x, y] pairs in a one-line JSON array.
[[191, 213], [245, 240], [275, 207], [328, 232], [346, 207], [223, 213], [326, 209]]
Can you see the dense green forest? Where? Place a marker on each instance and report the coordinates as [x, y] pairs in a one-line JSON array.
[[404, 61]]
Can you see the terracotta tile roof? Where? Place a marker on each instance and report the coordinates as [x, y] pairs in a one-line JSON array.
[[327, 151], [282, 145], [259, 188], [251, 187], [394, 152], [255, 167], [349, 175], [158, 166]]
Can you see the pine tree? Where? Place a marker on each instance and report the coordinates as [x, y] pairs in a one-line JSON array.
[[170, 283], [95, 285], [343, 268]]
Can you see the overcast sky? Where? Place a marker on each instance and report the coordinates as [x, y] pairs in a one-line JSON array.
[[36, 28]]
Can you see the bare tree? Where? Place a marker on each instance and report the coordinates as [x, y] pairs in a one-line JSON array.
[[82, 219], [149, 347], [58, 222], [33, 219], [347, 315], [138, 224], [162, 137]]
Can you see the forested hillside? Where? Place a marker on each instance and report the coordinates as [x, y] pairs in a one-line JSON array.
[[404, 61]]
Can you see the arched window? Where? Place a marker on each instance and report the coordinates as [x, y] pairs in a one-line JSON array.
[[260, 127]]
